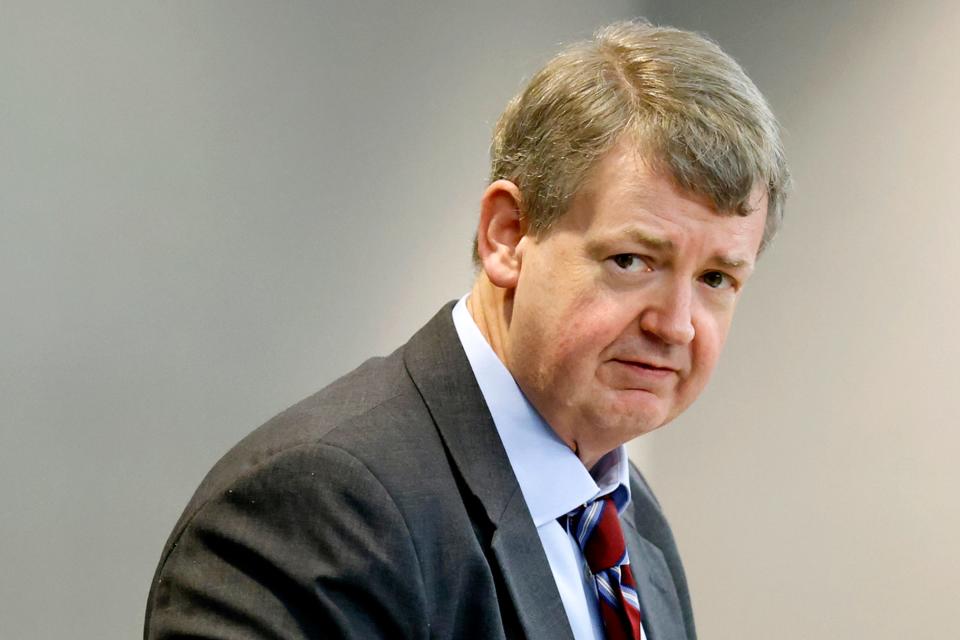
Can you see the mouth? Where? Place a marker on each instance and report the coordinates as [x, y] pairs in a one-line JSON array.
[[646, 366], [641, 374]]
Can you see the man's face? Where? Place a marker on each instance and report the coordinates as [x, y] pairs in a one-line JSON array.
[[622, 308]]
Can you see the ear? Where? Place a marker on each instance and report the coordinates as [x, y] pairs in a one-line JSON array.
[[499, 233]]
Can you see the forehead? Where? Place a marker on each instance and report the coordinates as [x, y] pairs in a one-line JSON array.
[[624, 189]]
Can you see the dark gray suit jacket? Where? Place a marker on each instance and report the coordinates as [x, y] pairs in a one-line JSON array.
[[384, 506]]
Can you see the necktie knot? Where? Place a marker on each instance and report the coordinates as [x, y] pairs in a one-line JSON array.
[[596, 527]]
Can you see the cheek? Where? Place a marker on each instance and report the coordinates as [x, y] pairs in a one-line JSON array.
[[565, 329], [707, 346], [580, 338]]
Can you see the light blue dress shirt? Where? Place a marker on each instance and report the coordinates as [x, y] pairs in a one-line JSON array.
[[552, 478]]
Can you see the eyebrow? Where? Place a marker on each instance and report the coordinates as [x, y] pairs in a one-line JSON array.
[[732, 263], [633, 234], [641, 237]]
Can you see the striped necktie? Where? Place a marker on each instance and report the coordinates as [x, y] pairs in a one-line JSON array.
[[596, 527]]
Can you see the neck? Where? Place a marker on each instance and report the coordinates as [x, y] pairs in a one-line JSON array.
[[491, 308]]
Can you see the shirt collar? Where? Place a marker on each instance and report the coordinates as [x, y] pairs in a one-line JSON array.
[[550, 475]]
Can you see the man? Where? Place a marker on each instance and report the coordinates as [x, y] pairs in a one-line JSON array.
[[474, 483]]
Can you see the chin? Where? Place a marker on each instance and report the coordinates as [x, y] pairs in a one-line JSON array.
[[637, 409], [645, 427], [625, 426]]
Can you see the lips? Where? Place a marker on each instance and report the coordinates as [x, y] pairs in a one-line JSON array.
[[638, 374], [648, 366]]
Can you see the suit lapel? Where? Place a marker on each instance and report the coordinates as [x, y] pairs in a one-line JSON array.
[[439, 368], [659, 606], [519, 553]]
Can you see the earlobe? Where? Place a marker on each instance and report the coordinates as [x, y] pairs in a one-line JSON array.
[[499, 233]]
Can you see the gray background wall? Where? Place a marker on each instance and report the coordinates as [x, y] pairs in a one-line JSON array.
[[210, 209]]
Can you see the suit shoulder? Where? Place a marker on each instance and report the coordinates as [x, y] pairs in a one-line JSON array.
[[281, 543], [346, 401]]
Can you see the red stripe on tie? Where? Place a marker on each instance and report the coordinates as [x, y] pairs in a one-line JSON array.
[[603, 551]]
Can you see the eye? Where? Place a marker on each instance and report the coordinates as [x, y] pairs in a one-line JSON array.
[[629, 262], [717, 280]]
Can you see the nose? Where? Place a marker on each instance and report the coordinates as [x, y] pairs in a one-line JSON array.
[[668, 314]]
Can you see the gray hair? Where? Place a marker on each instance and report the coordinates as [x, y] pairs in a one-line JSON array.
[[688, 106]]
